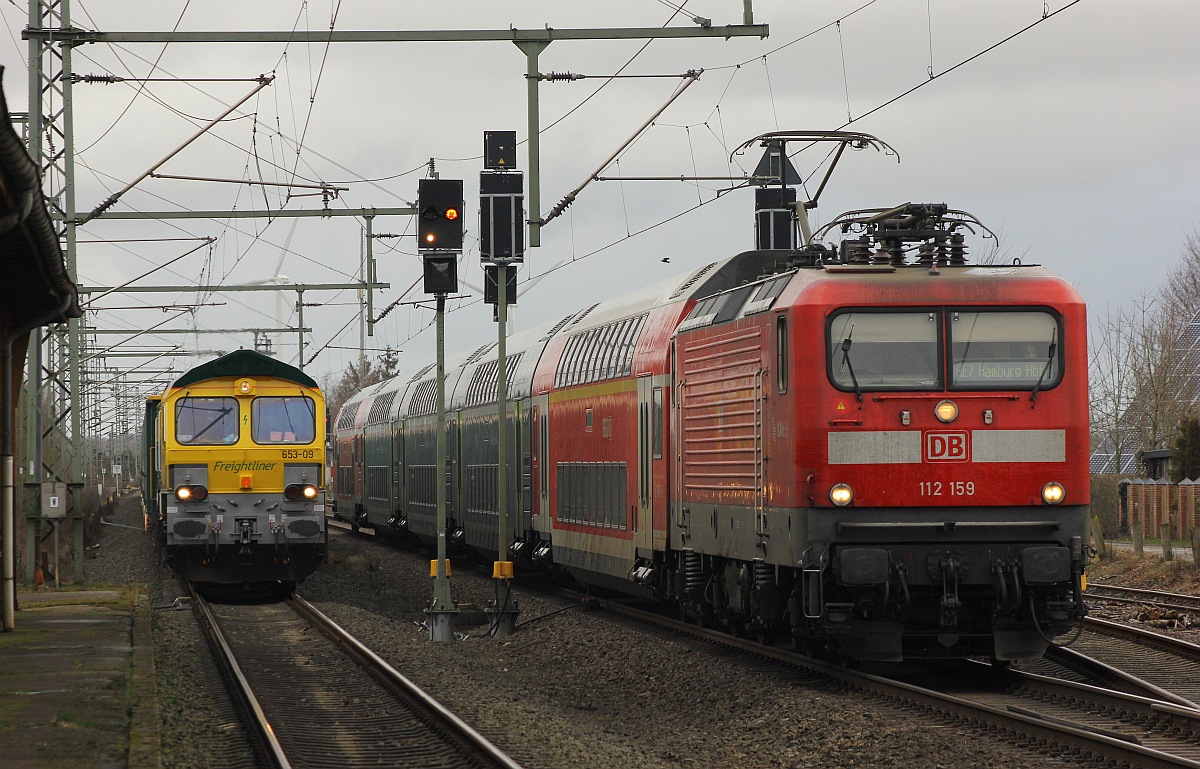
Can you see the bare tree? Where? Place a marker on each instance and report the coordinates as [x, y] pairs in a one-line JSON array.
[[1112, 386], [1182, 289], [999, 251], [1143, 374], [1165, 388], [359, 377]]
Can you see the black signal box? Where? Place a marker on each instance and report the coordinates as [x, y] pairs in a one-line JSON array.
[[502, 215], [490, 281], [440, 272], [440, 215], [500, 150], [774, 227]]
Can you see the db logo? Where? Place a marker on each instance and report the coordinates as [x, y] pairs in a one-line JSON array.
[[946, 447]]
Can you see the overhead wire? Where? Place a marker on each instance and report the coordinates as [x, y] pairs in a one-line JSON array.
[[141, 86], [1046, 15], [964, 62], [716, 109]]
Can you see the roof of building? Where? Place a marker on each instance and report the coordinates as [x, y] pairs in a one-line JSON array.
[[36, 288]]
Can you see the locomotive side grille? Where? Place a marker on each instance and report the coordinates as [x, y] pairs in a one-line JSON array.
[[721, 401]]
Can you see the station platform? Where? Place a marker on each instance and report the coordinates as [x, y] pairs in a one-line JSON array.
[[77, 684]]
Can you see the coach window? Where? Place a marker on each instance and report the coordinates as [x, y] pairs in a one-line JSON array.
[[656, 429], [288, 419], [781, 353], [884, 350], [1004, 350], [206, 421]]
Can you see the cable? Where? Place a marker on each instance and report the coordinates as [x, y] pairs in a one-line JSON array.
[[965, 61], [141, 87]]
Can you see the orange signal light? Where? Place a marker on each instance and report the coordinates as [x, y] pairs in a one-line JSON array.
[[451, 213]]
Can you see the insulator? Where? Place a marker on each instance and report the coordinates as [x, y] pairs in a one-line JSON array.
[[958, 248], [925, 254], [896, 250], [552, 76], [693, 571], [105, 79], [764, 575], [943, 253], [860, 251], [883, 255]]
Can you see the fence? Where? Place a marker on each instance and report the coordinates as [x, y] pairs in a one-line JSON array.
[[1150, 504]]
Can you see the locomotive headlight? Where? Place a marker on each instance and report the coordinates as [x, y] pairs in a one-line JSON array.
[[292, 492], [310, 492], [244, 387], [1053, 493], [946, 411], [841, 495], [191, 493]]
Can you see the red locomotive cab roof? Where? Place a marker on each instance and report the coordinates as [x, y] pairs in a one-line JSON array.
[[870, 285]]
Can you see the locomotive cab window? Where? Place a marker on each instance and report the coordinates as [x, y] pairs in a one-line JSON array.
[[884, 350], [286, 419], [206, 421], [1004, 350]]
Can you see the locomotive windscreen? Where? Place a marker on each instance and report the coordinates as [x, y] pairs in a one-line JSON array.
[[1006, 350], [989, 350], [874, 350]]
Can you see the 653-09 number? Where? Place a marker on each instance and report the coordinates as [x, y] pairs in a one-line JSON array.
[[948, 488], [299, 454]]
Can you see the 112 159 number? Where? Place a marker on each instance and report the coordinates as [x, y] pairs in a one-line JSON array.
[[950, 489]]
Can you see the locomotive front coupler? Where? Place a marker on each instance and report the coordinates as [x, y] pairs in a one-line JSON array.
[[950, 601], [901, 572], [245, 530]]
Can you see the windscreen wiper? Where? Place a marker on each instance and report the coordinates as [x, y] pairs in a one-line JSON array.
[[1045, 369], [221, 414], [850, 366]]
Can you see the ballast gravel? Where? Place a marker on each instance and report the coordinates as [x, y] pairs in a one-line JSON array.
[[568, 690]]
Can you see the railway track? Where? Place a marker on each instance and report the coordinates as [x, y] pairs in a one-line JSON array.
[[1155, 598], [1104, 717], [1136, 660], [313, 696], [1105, 726]]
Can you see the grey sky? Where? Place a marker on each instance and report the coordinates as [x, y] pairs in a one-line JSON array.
[[1074, 140]]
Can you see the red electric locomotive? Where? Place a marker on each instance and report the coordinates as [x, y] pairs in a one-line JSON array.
[[873, 447], [886, 454]]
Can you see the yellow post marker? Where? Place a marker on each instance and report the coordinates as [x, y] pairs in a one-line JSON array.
[[502, 570], [433, 567]]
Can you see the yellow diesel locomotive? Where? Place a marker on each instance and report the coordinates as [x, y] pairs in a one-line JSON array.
[[236, 455]]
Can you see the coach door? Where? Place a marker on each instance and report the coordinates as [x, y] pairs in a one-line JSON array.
[[540, 429], [643, 537], [400, 498]]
